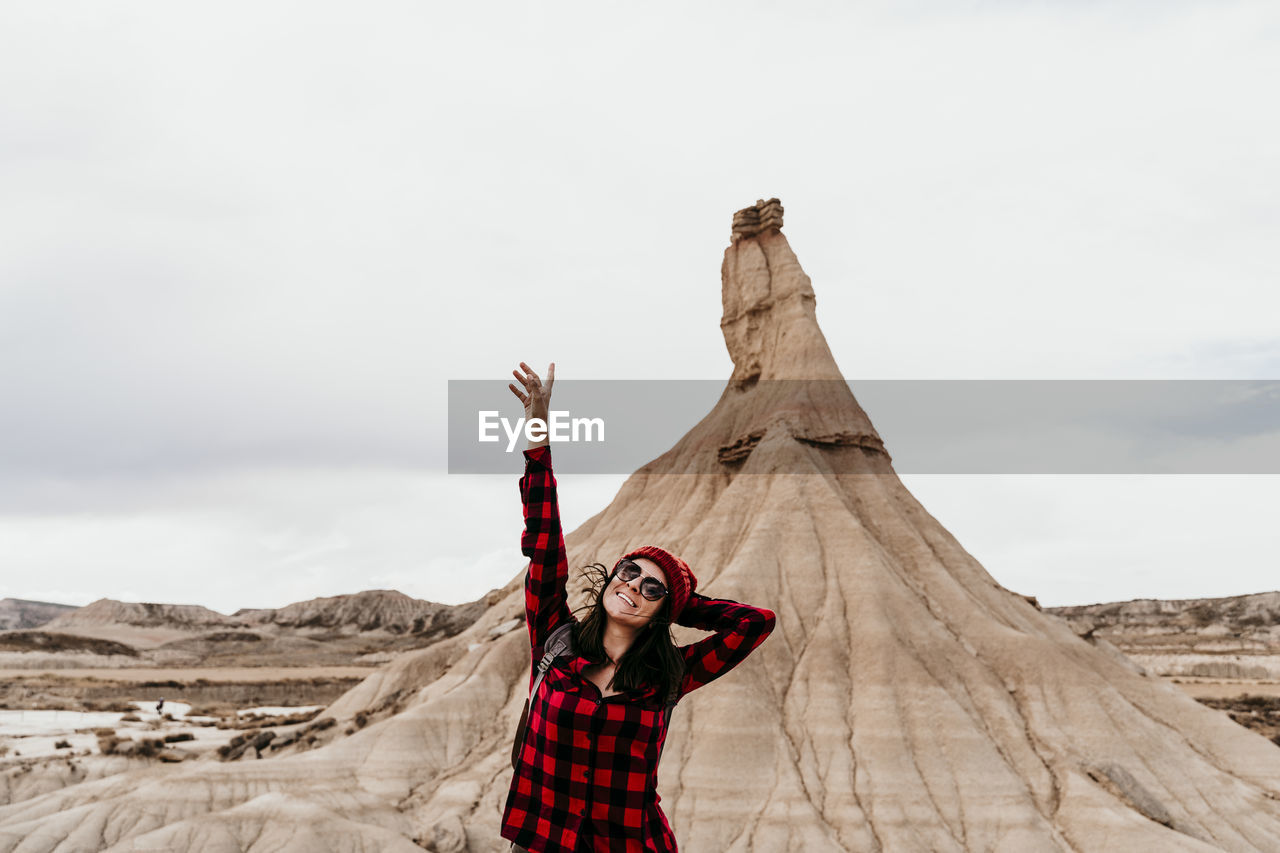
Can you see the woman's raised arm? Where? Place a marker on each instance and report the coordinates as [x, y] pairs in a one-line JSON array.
[[545, 598]]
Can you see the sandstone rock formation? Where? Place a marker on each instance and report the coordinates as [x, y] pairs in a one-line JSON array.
[[1236, 637], [107, 611], [141, 624], [376, 609], [905, 702], [18, 613], [364, 627], [760, 217]]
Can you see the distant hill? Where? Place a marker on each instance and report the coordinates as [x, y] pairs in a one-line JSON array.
[[1237, 616], [363, 628], [107, 611], [372, 610], [1237, 637], [18, 613]]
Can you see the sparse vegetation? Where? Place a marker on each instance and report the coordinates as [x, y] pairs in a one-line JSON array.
[[1203, 613], [130, 718], [258, 721], [112, 705], [1257, 713], [43, 641], [243, 742], [148, 748], [115, 745], [62, 744]]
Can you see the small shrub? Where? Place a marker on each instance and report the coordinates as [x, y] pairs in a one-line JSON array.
[[233, 747], [303, 717], [362, 720], [1202, 614], [150, 747], [131, 718], [179, 737], [115, 705], [62, 744]]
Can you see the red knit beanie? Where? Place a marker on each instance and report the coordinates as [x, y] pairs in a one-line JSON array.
[[680, 580]]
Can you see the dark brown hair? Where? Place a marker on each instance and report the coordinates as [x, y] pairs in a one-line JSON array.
[[653, 658]]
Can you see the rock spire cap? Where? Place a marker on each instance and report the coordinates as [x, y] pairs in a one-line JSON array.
[[757, 219]]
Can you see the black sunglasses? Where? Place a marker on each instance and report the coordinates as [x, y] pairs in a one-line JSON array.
[[651, 588]]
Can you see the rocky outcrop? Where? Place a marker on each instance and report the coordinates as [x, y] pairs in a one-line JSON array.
[[752, 221], [362, 628], [51, 641], [106, 611], [905, 702], [18, 613], [1220, 638], [1256, 615], [372, 610]]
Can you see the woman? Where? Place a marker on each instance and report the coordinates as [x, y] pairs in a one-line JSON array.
[[587, 773]]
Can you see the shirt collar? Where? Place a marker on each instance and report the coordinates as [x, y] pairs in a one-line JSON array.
[[579, 663]]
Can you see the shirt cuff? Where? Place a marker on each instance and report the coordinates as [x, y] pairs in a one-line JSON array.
[[538, 458]]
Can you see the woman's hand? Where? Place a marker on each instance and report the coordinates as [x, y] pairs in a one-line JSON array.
[[536, 398]]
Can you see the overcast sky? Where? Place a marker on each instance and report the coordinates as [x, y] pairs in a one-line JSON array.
[[246, 245]]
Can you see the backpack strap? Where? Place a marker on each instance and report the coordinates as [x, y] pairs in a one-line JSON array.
[[560, 642], [672, 698]]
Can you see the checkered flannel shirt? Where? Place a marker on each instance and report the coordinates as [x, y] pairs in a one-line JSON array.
[[587, 775]]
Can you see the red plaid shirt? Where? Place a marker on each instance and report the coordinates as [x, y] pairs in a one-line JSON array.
[[588, 772]]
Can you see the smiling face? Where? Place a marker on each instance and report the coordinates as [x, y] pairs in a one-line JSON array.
[[638, 611]]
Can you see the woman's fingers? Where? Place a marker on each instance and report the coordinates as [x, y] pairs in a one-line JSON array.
[[532, 384]]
